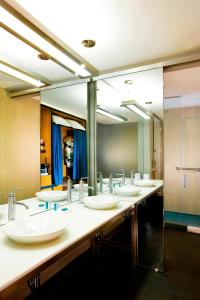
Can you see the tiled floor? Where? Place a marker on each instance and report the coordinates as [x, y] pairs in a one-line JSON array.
[[110, 276]]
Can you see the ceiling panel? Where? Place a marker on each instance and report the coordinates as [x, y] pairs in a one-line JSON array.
[[18, 54], [126, 32], [11, 84]]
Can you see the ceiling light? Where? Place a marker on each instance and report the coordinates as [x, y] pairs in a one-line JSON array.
[[106, 113], [22, 31], [128, 81], [20, 75], [131, 105], [43, 56], [88, 43]]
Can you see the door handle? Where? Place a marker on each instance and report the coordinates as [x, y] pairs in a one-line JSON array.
[[184, 181], [188, 169]]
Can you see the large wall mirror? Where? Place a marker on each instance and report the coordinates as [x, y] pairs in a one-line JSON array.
[[63, 123], [129, 144], [30, 128]]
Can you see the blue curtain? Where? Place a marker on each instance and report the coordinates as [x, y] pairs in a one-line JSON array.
[[80, 154], [57, 168]]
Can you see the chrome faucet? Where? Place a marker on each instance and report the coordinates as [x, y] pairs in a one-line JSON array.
[[81, 189], [132, 176], [100, 182], [69, 189], [111, 183], [11, 205], [122, 174]]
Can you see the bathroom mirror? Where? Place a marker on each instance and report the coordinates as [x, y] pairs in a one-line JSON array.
[[132, 142], [26, 139], [128, 142], [63, 136]]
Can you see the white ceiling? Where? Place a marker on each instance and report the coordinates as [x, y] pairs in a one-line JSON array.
[[127, 32], [183, 87]]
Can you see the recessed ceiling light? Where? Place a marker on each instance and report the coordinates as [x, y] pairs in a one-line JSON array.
[[88, 43], [44, 56], [128, 81]]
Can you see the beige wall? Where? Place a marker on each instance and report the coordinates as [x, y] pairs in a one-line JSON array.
[[117, 147], [19, 146]]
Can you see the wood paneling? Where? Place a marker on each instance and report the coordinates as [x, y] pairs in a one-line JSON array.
[[45, 134], [182, 144], [19, 146]]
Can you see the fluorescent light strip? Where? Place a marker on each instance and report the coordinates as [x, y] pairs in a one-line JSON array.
[[13, 23], [17, 74], [138, 111], [110, 115]]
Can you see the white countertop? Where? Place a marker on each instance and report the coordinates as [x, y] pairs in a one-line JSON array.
[[20, 259]]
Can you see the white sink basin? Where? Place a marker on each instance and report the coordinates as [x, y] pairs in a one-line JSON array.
[[114, 180], [126, 190], [52, 195], [36, 229], [96, 202], [85, 187], [144, 183]]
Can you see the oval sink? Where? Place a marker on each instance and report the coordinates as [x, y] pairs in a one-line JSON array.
[[144, 183], [127, 190], [96, 202], [85, 187], [114, 180], [36, 229], [52, 195]]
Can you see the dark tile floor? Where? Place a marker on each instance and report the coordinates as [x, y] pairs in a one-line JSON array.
[[109, 276]]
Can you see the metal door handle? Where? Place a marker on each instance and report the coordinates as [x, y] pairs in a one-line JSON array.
[[184, 181], [188, 169]]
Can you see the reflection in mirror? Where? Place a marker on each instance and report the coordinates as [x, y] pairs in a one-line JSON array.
[[131, 147], [63, 137], [27, 156], [132, 143]]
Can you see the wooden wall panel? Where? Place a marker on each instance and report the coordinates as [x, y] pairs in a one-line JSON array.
[[182, 144], [19, 146]]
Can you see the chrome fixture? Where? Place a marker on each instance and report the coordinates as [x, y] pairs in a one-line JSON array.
[[111, 183], [108, 114], [133, 106], [188, 169], [69, 189], [100, 181], [11, 205], [122, 174], [81, 189], [132, 176]]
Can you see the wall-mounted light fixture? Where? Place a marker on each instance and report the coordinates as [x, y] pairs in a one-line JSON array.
[[131, 105], [38, 40], [7, 69], [108, 114]]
